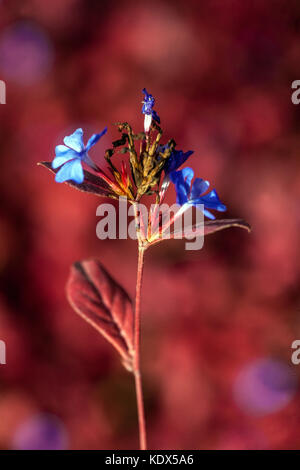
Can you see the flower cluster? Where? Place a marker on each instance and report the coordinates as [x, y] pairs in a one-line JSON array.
[[152, 168]]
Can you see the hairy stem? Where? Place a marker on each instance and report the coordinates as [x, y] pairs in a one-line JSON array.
[[137, 338]]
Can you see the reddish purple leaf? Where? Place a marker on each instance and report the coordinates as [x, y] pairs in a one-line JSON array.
[[91, 184], [103, 303], [210, 226]]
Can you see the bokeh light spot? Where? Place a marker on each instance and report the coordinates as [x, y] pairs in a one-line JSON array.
[[264, 386], [26, 54], [41, 432]]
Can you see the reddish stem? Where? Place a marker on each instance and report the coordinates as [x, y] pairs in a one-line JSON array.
[[137, 337]]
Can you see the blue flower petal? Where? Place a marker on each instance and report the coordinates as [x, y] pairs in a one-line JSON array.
[[188, 174], [199, 187], [200, 205], [212, 201], [209, 214], [145, 93], [182, 181], [94, 139], [58, 161], [71, 170], [60, 150], [176, 159], [75, 141], [63, 155], [148, 103], [155, 116]]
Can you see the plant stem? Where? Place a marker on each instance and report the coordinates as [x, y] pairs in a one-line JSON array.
[[137, 337]]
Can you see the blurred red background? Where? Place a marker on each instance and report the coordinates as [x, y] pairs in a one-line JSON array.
[[218, 323]]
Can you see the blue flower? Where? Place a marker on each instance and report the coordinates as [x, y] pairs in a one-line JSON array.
[[176, 159], [148, 110], [194, 195], [71, 155]]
